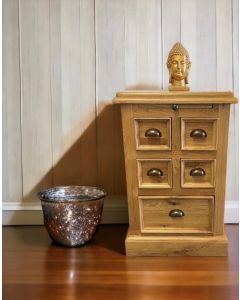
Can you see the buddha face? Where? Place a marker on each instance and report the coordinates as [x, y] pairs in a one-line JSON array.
[[178, 68]]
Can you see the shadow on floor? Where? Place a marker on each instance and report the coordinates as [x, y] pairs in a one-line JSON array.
[[111, 237]]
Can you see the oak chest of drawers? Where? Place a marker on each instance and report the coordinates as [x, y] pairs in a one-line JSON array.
[[175, 146]]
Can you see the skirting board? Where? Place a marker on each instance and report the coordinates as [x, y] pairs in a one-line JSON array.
[[114, 212], [15, 213]]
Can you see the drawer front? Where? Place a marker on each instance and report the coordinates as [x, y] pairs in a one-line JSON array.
[[154, 173], [198, 134], [186, 215], [153, 134], [197, 173]]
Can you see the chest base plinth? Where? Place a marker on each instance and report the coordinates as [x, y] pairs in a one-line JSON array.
[[137, 245]]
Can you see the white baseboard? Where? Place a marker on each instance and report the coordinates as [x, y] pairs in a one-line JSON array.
[[114, 212], [231, 212], [14, 213]]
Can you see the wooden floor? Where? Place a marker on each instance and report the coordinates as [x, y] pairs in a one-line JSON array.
[[36, 269]]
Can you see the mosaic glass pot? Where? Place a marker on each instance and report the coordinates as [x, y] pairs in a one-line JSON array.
[[72, 213]]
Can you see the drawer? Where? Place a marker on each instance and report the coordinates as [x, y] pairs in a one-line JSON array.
[[153, 134], [154, 173], [198, 134], [186, 215], [198, 173]]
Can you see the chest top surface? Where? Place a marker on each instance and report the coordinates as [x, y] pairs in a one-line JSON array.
[[166, 97]]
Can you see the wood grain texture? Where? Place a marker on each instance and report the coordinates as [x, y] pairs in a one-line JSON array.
[[11, 105], [148, 44], [173, 174], [206, 181], [143, 44], [198, 35], [197, 218], [171, 33], [35, 96], [190, 19], [207, 125], [154, 182], [35, 268], [137, 245], [130, 167], [143, 142], [224, 44], [149, 110], [166, 97], [109, 18], [73, 93], [221, 168]]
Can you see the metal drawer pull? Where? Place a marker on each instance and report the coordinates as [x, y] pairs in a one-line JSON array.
[[153, 132], [197, 172], [176, 213], [198, 133], [175, 107], [155, 172]]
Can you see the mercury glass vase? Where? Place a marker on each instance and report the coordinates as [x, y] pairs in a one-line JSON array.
[[72, 213]]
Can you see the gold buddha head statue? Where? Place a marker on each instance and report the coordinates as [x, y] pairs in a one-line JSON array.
[[178, 64]]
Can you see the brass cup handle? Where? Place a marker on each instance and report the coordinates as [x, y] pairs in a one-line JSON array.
[[153, 133], [176, 213], [197, 172], [175, 107], [154, 172], [198, 133]]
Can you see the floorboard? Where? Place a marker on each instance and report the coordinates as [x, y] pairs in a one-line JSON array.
[[34, 268]]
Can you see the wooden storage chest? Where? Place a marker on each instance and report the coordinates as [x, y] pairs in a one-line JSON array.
[[175, 146]]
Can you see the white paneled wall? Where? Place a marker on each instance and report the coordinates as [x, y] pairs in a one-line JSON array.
[[12, 149], [63, 62], [35, 84]]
